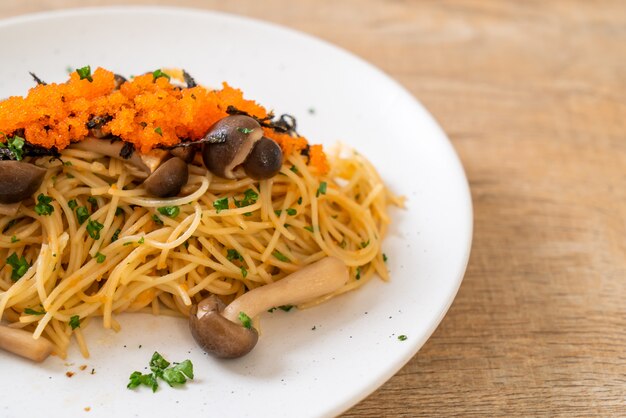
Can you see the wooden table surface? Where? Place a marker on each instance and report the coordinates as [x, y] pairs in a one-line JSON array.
[[533, 97]]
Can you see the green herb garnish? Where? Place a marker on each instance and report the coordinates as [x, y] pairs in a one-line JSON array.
[[82, 214], [44, 207], [100, 258], [286, 308], [94, 228], [244, 272], [158, 130], [119, 211], [249, 197], [141, 240], [158, 74], [358, 273], [85, 73], [14, 239], [20, 266], [157, 220], [233, 255], [169, 211], [280, 256], [15, 146], [72, 204], [245, 320], [365, 243], [309, 228], [221, 204], [75, 322], [291, 212], [161, 369], [321, 189], [29, 311], [116, 235], [385, 257], [402, 337]]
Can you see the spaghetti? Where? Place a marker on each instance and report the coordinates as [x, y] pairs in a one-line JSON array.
[[93, 243]]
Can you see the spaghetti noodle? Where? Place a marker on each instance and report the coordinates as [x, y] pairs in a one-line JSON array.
[[103, 246]]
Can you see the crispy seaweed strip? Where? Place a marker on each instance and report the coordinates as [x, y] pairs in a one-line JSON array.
[[189, 80], [37, 79], [285, 124], [98, 122], [127, 150]]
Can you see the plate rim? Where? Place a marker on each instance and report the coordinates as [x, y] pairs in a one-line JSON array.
[[453, 156]]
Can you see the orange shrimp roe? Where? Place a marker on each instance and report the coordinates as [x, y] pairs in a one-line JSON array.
[[145, 111]]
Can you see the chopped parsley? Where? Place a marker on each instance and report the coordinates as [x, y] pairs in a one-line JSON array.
[[43, 207], [221, 204], [20, 266], [233, 255], [385, 257], [365, 243], [82, 214], [291, 212], [14, 239], [85, 73], [68, 163], [30, 311], [100, 258], [278, 212], [116, 235], [309, 228], [245, 131], [176, 374], [245, 320], [294, 169], [15, 146], [158, 74], [280, 256], [119, 211], [358, 273], [244, 272], [94, 203], [249, 197], [402, 337], [285, 308], [75, 322], [94, 228], [72, 204], [169, 211], [321, 189], [300, 200], [158, 130], [157, 220], [141, 240]]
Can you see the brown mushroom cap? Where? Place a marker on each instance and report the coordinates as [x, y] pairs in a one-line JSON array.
[[238, 134], [265, 160], [184, 153], [168, 179], [216, 334], [19, 180]]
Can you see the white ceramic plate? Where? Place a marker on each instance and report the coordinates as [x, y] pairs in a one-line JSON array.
[[310, 363]]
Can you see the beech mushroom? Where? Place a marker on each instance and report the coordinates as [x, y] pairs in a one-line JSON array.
[[23, 344], [219, 330], [165, 176], [265, 160], [19, 180], [233, 138]]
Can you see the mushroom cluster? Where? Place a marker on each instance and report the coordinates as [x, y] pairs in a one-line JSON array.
[[219, 329], [234, 147]]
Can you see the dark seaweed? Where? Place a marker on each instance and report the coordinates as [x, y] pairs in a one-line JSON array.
[[30, 150], [189, 80], [98, 122], [127, 150], [286, 124], [37, 79]]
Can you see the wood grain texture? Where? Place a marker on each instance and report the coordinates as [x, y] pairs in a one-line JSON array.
[[533, 96]]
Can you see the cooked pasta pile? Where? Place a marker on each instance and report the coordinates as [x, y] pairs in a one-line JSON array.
[[106, 247]]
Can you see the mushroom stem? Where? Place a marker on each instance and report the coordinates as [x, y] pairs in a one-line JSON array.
[[23, 344], [315, 280]]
